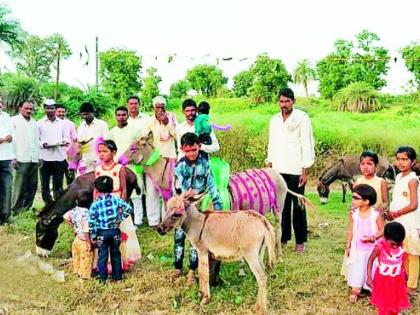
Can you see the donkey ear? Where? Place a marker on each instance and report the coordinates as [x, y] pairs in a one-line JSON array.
[[149, 138], [198, 197]]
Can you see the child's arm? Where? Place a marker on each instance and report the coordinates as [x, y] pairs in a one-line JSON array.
[[372, 257], [412, 186], [67, 219], [123, 184], [95, 194], [125, 210], [380, 223], [349, 235], [384, 190]]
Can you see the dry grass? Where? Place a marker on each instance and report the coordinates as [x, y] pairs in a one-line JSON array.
[[302, 284]]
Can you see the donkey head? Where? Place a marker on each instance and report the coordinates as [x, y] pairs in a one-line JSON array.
[[323, 191], [139, 151], [47, 230], [177, 209]]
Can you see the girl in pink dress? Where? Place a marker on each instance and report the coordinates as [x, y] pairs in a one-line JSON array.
[[389, 288], [365, 227]]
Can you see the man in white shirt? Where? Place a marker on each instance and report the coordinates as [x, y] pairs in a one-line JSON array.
[[7, 162], [291, 152], [89, 131], [135, 117], [124, 135], [53, 138], [26, 144], [189, 108], [163, 127], [61, 113]]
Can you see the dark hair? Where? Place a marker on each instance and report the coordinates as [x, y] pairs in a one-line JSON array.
[[110, 144], [394, 231], [23, 102], [366, 192], [370, 154], [287, 92], [60, 106], [204, 108], [87, 107], [83, 198], [133, 97], [411, 153], [121, 108], [189, 138], [104, 184], [188, 103]]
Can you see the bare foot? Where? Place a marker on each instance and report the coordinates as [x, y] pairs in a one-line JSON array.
[[205, 300], [411, 292], [353, 298], [190, 277], [176, 274]]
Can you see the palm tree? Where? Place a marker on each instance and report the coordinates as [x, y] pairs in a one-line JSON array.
[[10, 31], [303, 74]]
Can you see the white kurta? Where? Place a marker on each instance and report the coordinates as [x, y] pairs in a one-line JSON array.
[[291, 143], [26, 140]]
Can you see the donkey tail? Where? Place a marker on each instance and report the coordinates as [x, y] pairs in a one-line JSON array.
[[270, 241], [303, 200]]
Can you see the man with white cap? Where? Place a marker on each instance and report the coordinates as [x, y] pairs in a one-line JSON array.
[[163, 128], [53, 138], [7, 162]]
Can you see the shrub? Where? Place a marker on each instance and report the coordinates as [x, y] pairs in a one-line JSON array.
[[357, 97]]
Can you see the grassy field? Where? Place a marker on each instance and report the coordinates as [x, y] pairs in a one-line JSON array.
[[302, 284]]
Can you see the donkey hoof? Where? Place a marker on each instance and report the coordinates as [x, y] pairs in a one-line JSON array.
[[259, 310], [205, 300]]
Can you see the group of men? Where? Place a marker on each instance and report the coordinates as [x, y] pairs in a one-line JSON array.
[[27, 145]]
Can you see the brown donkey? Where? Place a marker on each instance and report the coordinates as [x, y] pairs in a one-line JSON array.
[[225, 236]]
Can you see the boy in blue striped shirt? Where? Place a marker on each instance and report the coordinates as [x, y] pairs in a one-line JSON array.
[[105, 216]]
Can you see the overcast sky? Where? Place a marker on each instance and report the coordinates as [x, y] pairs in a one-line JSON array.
[[199, 31]]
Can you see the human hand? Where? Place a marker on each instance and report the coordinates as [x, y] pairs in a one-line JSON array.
[[14, 164], [8, 139], [303, 179], [347, 251], [368, 239], [269, 164], [45, 146]]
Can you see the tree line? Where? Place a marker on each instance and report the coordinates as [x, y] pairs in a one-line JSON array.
[[361, 62]]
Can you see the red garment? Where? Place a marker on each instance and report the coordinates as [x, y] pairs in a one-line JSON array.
[[389, 292]]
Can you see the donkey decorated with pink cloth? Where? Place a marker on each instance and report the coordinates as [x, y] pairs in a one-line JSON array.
[[261, 190]]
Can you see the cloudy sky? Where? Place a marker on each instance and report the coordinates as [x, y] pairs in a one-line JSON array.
[[198, 31]]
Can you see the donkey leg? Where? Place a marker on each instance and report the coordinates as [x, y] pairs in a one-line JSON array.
[[203, 274], [255, 266], [278, 243]]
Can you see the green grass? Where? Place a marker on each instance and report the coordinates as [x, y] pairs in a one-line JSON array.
[[302, 284]]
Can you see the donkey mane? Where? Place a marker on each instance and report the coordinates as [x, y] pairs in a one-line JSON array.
[[330, 174]]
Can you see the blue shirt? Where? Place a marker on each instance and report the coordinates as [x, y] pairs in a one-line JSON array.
[[197, 175], [107, 212]]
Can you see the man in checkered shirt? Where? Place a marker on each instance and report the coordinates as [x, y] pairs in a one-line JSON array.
[[105, 216]]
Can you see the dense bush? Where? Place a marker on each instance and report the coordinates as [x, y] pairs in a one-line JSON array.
[[357, 97]]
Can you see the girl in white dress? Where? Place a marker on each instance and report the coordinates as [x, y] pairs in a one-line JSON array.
[[404, 209]]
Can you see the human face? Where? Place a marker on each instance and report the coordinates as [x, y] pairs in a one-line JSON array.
[[190, 113], [286, 105], [404, 164], [105, 154], [133, 106], [50, 110], [191, 152], [87, 116], [357, 201], [60, 113], [121, 117], [26, 110], [367, 167]]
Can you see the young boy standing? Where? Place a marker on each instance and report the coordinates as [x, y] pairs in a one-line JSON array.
[[193, 176], [105, 216]]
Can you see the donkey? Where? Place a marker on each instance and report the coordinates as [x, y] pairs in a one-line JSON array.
[[51, 216], [345, 170], [259, 189], [225, 236]]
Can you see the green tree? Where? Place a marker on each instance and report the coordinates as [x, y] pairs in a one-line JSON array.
[[303, 74], [36, 56], [269, 76], [119, 73], [179, 89], [10, 30], [411, 56], [242, 82], [150, 87], [206, 79], [362, 61]]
